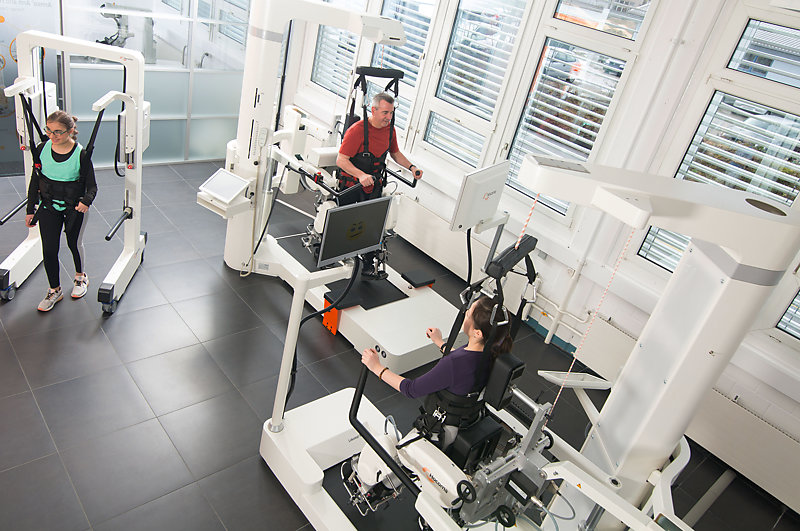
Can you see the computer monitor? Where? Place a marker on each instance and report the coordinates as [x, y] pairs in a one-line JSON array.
[[479, 196], [352, 230]]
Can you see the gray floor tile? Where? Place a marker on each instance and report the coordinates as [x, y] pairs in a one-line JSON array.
[[24, 436], [183, 510], [12, 381], [142, 333], [214, 434], [187, 280], [125, 469], [64, 353], [247, 496], [179, 378], [170, 192], [218, 315], [261, 394], [343, 371], [168, 248], [92, 405], [141, 293], [248, 356], [39, 496]]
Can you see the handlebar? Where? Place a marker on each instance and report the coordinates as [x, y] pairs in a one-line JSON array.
[[14, 211], [370, 440], [412, 183], [127, 213]]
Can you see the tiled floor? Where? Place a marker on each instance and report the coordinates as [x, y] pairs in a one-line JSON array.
[[151, 418]]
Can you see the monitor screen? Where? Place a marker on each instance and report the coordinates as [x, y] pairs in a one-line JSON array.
[[352, 230], [479, 196]]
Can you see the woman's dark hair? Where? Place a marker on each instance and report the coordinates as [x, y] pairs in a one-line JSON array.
[[482, 317], [65, 120]]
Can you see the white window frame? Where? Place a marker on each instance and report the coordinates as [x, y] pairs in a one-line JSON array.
[[584, 37]]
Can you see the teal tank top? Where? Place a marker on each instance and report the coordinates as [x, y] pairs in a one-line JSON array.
[[66, 171]]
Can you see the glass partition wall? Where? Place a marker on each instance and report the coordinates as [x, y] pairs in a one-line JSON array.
[[194, 59]]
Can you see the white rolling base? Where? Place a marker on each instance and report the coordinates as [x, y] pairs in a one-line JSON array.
[[397, 329], [21, 262], [120, 275], [315, 437]]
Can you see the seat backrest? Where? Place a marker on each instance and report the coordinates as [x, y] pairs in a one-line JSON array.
[[505, 370]]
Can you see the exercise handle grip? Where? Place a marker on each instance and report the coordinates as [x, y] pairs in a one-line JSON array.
[[374, 71], [14, 211], [127, 213], [409, 182]]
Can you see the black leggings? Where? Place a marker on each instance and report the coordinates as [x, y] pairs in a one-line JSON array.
[[50, 224]]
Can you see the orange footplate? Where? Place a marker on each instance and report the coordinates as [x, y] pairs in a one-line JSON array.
[[330, 319]]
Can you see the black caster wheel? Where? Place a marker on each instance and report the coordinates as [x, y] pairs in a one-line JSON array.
[[8, 294], [110, 308]]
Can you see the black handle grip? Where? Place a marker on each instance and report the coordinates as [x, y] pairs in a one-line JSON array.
[[14, 211], [127, 213], [370, 440], [409, 182], [374, 71]]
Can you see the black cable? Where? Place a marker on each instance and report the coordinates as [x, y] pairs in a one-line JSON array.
[[356, 268], [469, 256], [116, 150], [283, 76], [44, 85]]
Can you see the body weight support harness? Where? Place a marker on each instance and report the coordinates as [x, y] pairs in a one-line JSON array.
[[365, 160], [68, 192]]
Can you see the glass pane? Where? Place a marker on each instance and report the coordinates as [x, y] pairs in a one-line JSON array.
[[790, 322], [167, 141], [769, 51], [209, 136], [174, 4], [105, 145], [416, 19], [88, 84], [742, 145], [216, 93], [167, 102], [241, 4], [478, 54], [566, 107], [618, 17], [160, 39], [233, 27], [334, 55], [454, 138], [664, 248]]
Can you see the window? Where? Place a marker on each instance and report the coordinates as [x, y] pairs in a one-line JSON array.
[[742, 145], [334, 56], [453, 138], [235, 29], [622, 18], [478, 54], [204, 10], [565, 108], [790, 322], [241, 4], [174, 4], [416, 18], [769, 51]]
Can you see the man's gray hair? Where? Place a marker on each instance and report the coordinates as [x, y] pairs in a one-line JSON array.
[[382, 96]]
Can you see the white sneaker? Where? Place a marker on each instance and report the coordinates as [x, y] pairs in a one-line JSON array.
[[81, 285], [50, 300]]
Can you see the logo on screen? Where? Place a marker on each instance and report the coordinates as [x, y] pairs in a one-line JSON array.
[[355, 230]]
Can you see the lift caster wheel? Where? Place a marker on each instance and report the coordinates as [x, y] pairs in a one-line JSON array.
[[110, 308], [9, 293]]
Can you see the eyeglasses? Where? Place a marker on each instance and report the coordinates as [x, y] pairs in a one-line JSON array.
[[57, 132]]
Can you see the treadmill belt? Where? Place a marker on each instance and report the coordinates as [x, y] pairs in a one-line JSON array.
[[368, 294]]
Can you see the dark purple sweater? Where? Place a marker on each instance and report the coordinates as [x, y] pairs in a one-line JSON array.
[[458, 372]]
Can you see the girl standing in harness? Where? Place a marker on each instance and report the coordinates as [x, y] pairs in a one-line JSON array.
[[453, 386], [63, 185]]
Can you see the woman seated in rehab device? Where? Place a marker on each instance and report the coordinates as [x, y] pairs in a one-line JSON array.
[[453, 386]]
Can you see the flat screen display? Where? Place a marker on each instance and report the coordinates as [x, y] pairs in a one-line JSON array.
[[352, 230], [479, 196]]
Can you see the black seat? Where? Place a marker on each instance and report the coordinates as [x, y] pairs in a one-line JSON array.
[[479, 441]]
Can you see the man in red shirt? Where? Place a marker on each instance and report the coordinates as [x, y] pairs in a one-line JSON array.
[[364, 162]]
